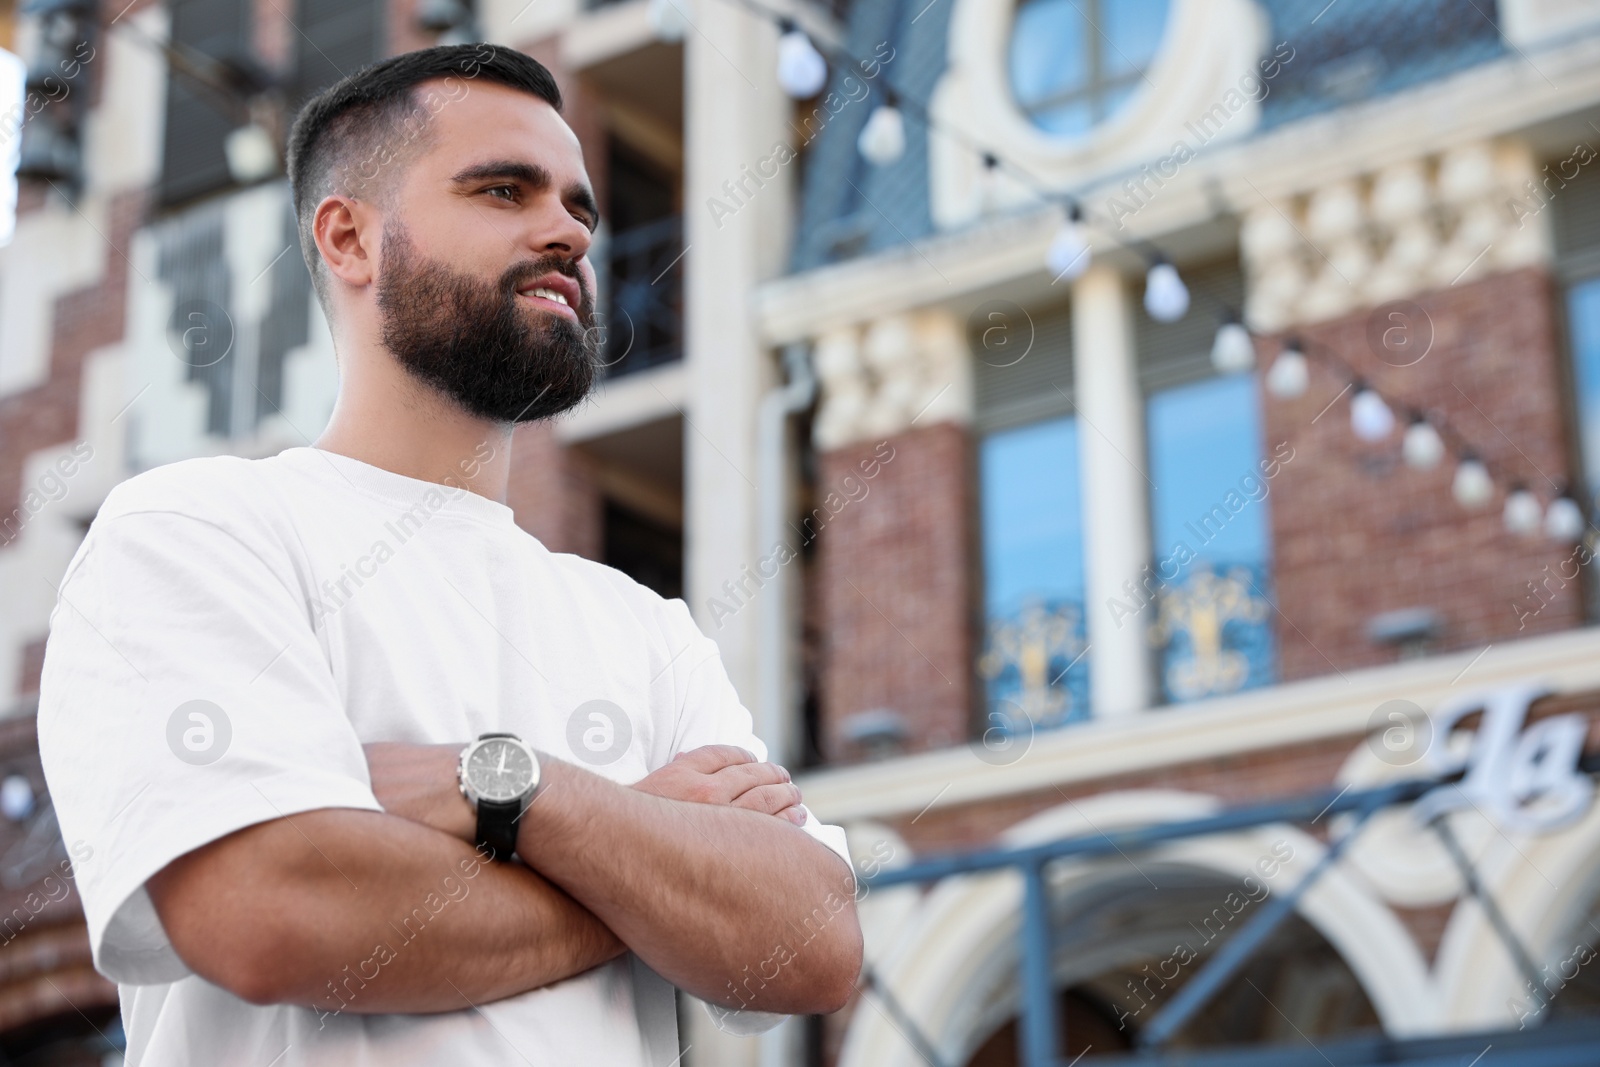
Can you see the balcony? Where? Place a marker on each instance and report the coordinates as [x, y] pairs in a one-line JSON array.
[[642, 297]]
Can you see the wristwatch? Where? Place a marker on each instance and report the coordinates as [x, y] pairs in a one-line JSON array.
[[499, 775]]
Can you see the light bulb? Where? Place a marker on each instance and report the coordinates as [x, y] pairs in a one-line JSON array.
[[1370, 417], [250, 153], [1233, 350], [801, 69], [883, 138], [16, 797], [1563, 520], [1166, 298], [1289, 374], [1523, 513], [1472, 485], [1422, 447], [1068, 256], [668, 20]]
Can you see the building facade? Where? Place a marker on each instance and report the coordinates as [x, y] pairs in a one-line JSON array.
[[1175, 405]]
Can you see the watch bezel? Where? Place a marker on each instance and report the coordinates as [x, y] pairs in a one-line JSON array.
[[471, 792]]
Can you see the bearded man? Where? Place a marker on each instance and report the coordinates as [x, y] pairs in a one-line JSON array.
[[357, 771]]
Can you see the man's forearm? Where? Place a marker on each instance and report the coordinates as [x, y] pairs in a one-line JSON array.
[[366, 912], [736, 907]]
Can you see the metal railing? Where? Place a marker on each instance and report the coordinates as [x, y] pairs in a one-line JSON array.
[[1039, 1032], [642, 313]]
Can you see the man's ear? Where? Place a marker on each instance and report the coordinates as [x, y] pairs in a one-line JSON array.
[[346, 231]]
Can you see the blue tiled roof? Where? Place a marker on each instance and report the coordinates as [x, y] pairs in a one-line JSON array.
[[1354, 50], [1346, 51], [848, 206]]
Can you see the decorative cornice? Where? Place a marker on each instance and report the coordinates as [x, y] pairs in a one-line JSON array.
[[1419, 224], [881, 377]]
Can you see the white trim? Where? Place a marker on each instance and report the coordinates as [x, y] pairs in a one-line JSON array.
[[1488, 101], [1336, 705], [1206, 46], [625, 402]]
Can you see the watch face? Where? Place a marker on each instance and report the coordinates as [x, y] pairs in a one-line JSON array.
[[500, 769]]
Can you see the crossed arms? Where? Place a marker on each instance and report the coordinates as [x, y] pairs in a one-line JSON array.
[[700, 869]]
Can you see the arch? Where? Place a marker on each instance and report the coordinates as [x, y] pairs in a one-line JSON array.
[[962, 937], [1208, 46], [1545, 885]]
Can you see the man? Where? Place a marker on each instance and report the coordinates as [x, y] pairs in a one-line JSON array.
[[271, 687]]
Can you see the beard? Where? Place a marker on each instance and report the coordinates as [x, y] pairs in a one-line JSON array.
[[479, 343]]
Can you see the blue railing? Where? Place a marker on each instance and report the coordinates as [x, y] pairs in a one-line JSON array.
[[1039, 1031]]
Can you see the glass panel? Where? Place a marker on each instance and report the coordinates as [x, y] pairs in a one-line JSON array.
[[1067, 120], [1032, 661], [1075, 62], [1048, 53], [1132, 33], [1583, 304], [1211, 573]]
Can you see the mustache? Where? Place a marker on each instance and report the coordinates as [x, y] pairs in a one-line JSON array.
[[515, 277]]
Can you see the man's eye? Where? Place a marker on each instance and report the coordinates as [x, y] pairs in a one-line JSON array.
[[504, 192]]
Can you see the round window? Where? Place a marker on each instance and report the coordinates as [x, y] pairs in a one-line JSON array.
[[1075, 62]]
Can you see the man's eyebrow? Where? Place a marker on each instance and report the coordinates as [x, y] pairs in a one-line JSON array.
[[530, 174]]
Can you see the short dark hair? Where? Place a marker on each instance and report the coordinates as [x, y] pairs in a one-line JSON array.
[[373, 116]]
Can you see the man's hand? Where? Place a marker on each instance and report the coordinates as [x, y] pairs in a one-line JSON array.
[[723, 774], [418, 782]]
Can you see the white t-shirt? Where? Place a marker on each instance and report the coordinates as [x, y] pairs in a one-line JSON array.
[[311, 602]]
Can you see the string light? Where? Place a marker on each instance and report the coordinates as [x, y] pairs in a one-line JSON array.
[[1166, 298], [1069, 256], [1370, 418], [1233, 350], [1523, 515], [802, 72], [1422, 446], [1290, 373], [1472, 486], [251, 153], [883, 138], [1563, 519]]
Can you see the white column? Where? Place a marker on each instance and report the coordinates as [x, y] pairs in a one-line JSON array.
[[736, 222], [1114, 477], [734, 114]]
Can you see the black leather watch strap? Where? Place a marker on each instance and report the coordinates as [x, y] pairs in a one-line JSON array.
[[497, 826], [497, 819]]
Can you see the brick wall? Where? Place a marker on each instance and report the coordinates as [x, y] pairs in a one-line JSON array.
[[47, 414], [553, 493], [895, 587], [1356, 532]]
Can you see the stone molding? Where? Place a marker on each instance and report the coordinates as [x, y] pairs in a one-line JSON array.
[[880, 377], [1409, 227]]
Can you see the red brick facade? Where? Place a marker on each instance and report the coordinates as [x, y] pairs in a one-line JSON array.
[[896, 590], [1356, 532], [553, 492]]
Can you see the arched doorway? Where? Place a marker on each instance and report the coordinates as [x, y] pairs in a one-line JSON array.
[[1126, 944]]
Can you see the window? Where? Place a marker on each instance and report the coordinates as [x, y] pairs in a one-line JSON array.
[[1210, 531], [1212, 626], [1075, 62], [1583, 309], [199, 118], [1032, 658], [1032, 528]]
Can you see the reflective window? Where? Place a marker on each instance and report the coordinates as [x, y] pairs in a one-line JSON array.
[[1583, 302], [1075, 62], [1212, 625], [1032, 526]]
